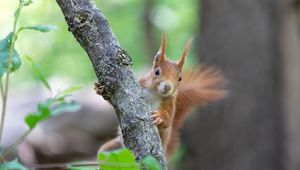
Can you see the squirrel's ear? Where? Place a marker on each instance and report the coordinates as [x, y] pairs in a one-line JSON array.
[[184, 54], [160, 56]]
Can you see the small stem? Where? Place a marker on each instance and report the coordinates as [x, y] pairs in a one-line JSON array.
[[14, 145], [1, 88], [83, 164], [10, 58]]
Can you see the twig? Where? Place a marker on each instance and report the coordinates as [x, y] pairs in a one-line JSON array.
[[10, 58], [81, 164], [1, 89], [14, 145]]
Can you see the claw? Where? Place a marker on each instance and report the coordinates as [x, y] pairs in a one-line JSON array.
[[157, 119], [154, 115]]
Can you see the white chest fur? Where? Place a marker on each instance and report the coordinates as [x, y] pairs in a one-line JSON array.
[[154, 99]]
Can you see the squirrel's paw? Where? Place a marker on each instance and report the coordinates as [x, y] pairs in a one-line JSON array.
[[98, 88], [157, 119]]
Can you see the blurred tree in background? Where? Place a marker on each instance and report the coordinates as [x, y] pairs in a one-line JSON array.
[[256, 45]]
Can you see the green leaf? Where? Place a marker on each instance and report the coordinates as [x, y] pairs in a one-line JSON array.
[[41, 28], [12, 165], [4, 54], [26, 3], [66, 107], [32, 119], [37, 71], [4, 43], [49, 108], [117, 160], [150, 163], [43, 112], [69, 90]]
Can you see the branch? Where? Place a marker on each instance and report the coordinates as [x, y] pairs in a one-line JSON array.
[[112, 66]]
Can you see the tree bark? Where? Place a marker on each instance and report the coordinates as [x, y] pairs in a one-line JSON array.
[[244, 131], [112, 66]]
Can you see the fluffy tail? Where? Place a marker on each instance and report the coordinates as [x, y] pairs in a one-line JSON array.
[[197, 88]]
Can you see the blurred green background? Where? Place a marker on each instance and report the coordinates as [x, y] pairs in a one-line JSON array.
[[60, 55]]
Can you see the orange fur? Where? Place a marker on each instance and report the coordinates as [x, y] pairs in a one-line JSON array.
[[166, 112], [184, 54], [198, 87]]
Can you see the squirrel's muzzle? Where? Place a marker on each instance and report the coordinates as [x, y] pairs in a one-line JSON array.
[[165, 88]]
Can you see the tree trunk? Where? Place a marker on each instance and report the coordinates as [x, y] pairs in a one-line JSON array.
[[112, 66], [149, 29], [290, 47], [245, 130]]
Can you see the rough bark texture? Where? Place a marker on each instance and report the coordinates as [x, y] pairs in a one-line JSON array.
[[112, 67], [244, 131]]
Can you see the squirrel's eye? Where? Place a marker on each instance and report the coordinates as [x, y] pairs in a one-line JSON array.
[[179, 78], [157, 72]]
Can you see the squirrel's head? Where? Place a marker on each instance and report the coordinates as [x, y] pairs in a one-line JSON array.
[[166, 74]]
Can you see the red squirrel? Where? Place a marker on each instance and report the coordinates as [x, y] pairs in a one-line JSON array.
[[173, 95]]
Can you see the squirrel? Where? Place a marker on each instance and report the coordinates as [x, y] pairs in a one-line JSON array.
[[174, 94]]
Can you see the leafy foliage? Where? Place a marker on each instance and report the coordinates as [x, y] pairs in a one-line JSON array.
[[12, 165], [37, 71], [51, 107], [124, 159], [117, 160], [9, 62], [28, 2], [5, 45], [69, 90]]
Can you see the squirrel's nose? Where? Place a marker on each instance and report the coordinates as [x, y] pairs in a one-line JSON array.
[[167, 87]]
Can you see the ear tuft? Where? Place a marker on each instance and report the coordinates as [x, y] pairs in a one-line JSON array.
[[156, 61], [185, 51], [163, 46], [161, 56]]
